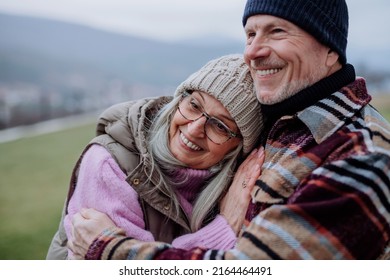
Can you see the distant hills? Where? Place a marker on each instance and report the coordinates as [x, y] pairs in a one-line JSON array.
[[30, 48], [34, 48]]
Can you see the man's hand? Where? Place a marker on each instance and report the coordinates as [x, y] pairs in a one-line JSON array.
[[235, 203], [86, 226]]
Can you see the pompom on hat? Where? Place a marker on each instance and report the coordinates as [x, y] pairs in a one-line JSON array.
[[325, 20], [228, 80]]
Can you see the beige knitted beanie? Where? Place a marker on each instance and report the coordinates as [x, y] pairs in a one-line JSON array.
[[228, 79]]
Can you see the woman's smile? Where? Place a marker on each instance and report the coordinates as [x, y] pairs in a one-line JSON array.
[[188, 143]]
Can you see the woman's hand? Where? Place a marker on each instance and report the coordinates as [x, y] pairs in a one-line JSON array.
[[86, 226], [235, 203]]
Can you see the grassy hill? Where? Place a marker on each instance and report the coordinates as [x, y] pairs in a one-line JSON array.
[[34, 176]]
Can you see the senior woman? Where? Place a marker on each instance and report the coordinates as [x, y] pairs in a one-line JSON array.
[[159, 167]]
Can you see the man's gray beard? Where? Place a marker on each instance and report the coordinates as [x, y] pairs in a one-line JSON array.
[[286, 92]]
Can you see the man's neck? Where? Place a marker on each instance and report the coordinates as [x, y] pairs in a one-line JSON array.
[[310, 95]]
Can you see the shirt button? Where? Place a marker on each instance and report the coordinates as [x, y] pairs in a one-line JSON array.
[[136, 182], [167, 207]]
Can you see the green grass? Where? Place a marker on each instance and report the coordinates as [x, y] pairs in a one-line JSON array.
[[386, 114], [34, 177], [382, 104]]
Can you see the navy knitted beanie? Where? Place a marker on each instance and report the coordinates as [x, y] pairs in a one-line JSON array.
[[325, 20]]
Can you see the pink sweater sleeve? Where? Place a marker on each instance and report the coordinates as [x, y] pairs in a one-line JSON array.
[[216, 235], [101, 185]]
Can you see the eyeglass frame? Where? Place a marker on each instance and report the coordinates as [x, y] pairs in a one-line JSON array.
[[231, 134]]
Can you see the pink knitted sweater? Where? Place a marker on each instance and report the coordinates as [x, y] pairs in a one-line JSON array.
[[101, 185]]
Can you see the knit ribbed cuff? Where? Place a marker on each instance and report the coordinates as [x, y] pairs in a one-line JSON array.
[[97, 247]]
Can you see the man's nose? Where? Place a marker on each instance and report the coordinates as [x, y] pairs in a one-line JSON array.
[[257, 49]]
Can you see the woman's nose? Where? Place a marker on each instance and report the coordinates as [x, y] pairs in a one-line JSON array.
[[197, 128]]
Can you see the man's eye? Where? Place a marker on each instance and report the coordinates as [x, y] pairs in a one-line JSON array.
[[277, 30]]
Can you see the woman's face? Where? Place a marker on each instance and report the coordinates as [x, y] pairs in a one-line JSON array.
[[188, 140]]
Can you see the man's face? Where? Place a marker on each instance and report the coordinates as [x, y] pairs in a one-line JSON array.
[[283, 58]]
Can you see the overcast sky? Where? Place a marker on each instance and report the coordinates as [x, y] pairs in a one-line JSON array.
[[178, 19]]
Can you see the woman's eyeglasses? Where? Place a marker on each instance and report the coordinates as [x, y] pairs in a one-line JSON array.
[[191, 109]]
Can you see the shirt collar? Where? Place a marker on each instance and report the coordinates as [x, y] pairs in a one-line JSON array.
[[329, 114]]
